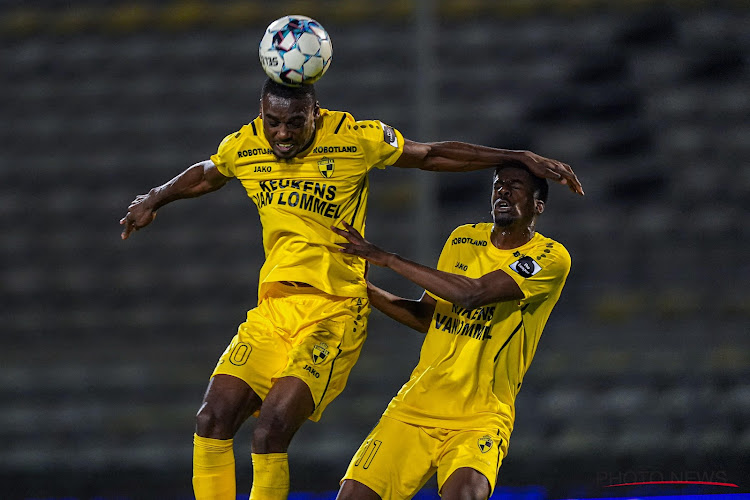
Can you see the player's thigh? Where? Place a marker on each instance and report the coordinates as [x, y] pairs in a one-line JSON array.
[[227, 403], [354, 490], [480, 451], [395, 460], [465, 484], [257, 353], [326, 344], [286, 407]]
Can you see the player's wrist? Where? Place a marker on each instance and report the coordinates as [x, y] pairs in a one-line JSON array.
[[392, 261], [155, 199]]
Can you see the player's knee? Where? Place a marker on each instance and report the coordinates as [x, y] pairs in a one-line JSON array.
[[215, 422], [272, 434]]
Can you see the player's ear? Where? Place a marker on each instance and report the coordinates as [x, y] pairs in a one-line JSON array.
[[316, 110], [539, 206]]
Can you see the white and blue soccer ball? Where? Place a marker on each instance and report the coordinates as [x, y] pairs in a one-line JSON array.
[[295, 50]]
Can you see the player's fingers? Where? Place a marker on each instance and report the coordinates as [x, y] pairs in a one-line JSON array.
[[554, 170], [126, 232], [344, 234], [351, 229], [340, 232], [571, 180]]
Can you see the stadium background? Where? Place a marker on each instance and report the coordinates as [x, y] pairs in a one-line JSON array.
[[644, 369]]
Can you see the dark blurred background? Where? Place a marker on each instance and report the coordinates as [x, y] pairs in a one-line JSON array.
[[644, 367]]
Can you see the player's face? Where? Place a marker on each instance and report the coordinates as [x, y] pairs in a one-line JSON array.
[[289, 124], [513, 198]]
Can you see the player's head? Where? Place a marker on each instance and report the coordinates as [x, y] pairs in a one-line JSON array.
[[289, 117], [517, 195]]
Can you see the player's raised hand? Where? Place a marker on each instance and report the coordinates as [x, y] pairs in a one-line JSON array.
[[554, 170], [360, 247], [140, 214]]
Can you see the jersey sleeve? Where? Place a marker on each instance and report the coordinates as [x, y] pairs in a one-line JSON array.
[[541, 272], [382, 144], [225, 154]]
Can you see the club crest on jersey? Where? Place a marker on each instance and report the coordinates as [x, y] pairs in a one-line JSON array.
[[526, 267], [319, 353], [485, 443], [325, 166]]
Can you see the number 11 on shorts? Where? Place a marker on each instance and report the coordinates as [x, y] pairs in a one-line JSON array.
[[369, 449]]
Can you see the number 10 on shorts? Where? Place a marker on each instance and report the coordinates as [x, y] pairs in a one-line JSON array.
[[368, 451]]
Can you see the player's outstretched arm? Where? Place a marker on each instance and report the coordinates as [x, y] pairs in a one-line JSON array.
[[199, 179], [415, 314], [463, 157], [463, 291]]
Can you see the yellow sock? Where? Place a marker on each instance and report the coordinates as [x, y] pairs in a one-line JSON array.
[[270, 476], [213, 469]]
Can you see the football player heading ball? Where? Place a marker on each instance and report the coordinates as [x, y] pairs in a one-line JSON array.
[[306, 169]]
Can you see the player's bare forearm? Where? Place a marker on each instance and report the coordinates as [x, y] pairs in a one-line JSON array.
[[453, 156], [199, 179], [463, 291], [415, 314]]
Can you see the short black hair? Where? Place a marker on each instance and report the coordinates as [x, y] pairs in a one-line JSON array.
[[541, 186], [305, 91]]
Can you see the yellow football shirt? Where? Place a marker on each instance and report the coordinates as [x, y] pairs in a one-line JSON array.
[[472, 362], [300, 199]]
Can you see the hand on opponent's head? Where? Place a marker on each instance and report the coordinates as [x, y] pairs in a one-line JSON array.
[[554, 170]]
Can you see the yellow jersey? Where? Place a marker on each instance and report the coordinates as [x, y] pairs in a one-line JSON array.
[[301, 198], [472, 362]]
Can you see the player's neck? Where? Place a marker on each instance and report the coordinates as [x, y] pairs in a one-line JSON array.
[[507, 238]]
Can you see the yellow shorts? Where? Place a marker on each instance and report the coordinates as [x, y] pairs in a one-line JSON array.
[[397, 458], [302, 333]]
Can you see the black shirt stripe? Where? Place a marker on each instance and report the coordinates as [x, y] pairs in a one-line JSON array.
[[508, 340], [362, 189], [339, 125]]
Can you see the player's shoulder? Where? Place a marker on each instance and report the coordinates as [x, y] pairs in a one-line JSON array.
[[477, 235], [552, 248], [335, 122], [344, 123], [477, 229], [247, 132]]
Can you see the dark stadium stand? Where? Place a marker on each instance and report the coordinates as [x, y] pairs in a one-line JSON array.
[[107, 346]]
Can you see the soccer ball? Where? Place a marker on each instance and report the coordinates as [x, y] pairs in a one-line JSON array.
[[295, 50]]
